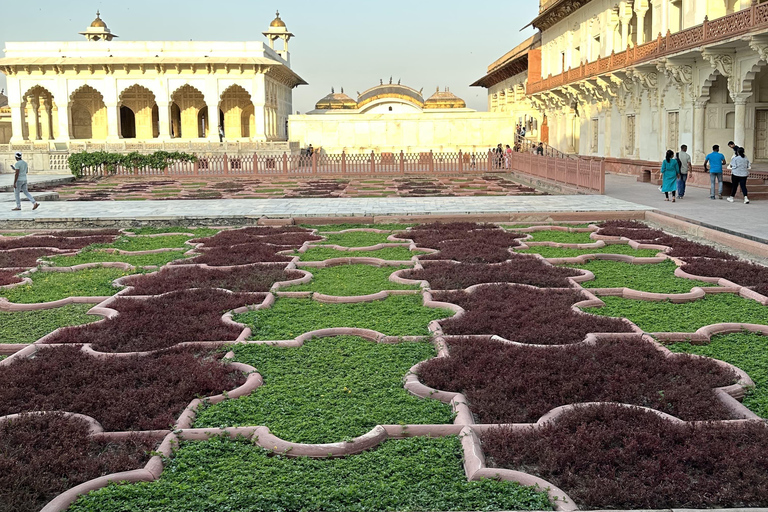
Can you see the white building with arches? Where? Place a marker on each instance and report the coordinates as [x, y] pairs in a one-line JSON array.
[[104, 90]]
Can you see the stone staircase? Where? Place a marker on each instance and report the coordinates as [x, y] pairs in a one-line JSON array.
[[758, 188]]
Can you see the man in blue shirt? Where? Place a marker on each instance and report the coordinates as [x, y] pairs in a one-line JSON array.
[[714, 164]]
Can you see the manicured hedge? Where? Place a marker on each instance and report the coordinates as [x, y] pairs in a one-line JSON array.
[[397, 315], [656, 277], [748, 351], [349, 280], [30, 326], [609, 457], [288, 235], [417, 474], [242, 254], [42, 456], [51, 286], [464, 242], [519, 269], [328, 390], [744, 273], [161, 322], [666, 316], [629, 371], [21, 258], [241, 279], [103, 161], [524, 314], [121, 393]]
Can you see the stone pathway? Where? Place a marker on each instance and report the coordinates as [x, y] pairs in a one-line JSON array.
[[36, 180], [283, 208]]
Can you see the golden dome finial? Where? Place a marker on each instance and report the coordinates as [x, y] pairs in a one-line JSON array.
[[277, 22]]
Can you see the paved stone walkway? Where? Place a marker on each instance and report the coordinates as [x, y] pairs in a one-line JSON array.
[[736, 218], [282, 208], [6, 180]]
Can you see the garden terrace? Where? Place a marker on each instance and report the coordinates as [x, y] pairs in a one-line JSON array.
[[748, 351], [667, 317], [53, 286], [21, 327], [255, 278], [525, 314], [328, 390], [162, 321], [351, 280], [121, 393], [614, 457], [743, 273], [519, 269], [397, 315], [21, 258], [243, 254], [628, 370], [411, 474], [654, 278], [43, 455]]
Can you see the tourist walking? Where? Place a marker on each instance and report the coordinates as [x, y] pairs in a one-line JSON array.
[[739, 173], [714, 163], [684, 160], [669, 172], [507, 157], [499, 156], [20, 183]]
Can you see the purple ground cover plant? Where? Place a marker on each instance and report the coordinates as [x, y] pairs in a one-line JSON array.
[[8, 277], [43, 455], [122, 393], [507, 383], [161, 322], [21, 258], [525, 314], [258, 278], [59, 242], [743, 273], [609, 457], [289, 235], [523, 269], [244, 254]]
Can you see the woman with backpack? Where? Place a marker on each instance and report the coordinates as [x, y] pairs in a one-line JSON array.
[[670, 171]]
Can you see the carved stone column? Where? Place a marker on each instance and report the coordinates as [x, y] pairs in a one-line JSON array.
[[641, 8], [44, 112], [699, 114], [113, 132], [164, 121], [17, 122], [33, 119], [213, 122], [570, 115], [740, 121]]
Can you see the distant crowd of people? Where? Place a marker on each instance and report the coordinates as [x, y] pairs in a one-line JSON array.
[[503, 153], [676, 167]]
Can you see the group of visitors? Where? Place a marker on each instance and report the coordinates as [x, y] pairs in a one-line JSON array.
[[676, 167]]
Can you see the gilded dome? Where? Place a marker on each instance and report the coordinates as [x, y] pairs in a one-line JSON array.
[[335, 101], [444, 99], [391, 91], [277, 22], [98, 22]]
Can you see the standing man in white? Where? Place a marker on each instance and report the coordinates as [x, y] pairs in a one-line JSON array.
[[20, 183]]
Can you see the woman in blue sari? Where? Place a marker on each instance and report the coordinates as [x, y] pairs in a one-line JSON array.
[[670, 171]]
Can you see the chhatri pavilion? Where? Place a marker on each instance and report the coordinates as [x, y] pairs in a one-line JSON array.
[[106, 89]]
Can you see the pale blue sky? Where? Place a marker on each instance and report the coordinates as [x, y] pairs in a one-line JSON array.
[[425, 43]]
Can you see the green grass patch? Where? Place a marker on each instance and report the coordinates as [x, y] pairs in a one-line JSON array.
[[417, 474], [655, 278], [268, 190], [398, 315], [349, 280], [146, 243], [30, 326], [329, 390], [14, 234], [355, 239], [522, 226], [324, 253], [559, 252], [748, 351], [99, 256], [688, 317], [50, 286], [562, 237], [149, 230]]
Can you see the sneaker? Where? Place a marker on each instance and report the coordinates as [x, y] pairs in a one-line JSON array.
[[711, 197], [36, 205], [746, 200], [15, 209], [730, 199]]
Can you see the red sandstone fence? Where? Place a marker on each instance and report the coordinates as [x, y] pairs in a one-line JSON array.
[[721, 29], [565, 171], [582, 173]]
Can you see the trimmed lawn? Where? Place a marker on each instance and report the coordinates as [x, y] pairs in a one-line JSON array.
[[51, 286], [349, 280], [559, 252], [388, 254], [656, 277], [99, 256], [30, 326]]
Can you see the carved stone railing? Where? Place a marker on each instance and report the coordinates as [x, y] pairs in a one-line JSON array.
[[709, 32]]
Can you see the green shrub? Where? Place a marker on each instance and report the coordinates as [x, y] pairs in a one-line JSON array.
[[102, 162]]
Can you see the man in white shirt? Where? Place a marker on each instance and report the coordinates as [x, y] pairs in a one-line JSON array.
[[685, 166], [20, 183]]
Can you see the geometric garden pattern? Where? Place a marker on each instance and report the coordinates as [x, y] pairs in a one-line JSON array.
[[454, 366]]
